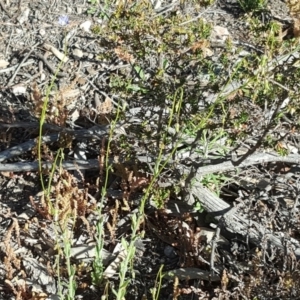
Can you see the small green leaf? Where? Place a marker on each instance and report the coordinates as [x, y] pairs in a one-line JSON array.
[[140, 72]]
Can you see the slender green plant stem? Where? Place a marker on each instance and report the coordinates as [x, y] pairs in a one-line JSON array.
[[42, 121], [98, 267], [159, 277], [139, 218]]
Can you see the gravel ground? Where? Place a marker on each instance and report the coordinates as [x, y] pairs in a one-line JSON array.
[[34, 41]]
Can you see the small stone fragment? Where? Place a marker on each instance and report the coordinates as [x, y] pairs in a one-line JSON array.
[[170, 252], [85, 26], [77, 53]]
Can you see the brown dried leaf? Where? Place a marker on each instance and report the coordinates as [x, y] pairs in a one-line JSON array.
[[224, 280], [203, 45], [7, 174], [65, 140], [294, 8], [106, 107], [296, 28], [37, 99], [124, 55], [36, 95], [72, 93]]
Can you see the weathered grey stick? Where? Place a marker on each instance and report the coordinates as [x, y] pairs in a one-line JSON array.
[[21, 64], [191, 273], [254, 159], [94, 132], [232, 221], [49, 66], [34, 166], [31, 125]]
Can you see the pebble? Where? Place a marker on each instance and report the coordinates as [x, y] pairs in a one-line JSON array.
[[42, 31], [78, 53], [170, 252], [85, 26]]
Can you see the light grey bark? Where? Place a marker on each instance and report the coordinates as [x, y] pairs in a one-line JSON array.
[[235, 223]]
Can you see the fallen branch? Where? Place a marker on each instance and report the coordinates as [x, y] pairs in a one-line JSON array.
[[191, 273], [254, 159], [34, 166], [94, 132], [233, 222]]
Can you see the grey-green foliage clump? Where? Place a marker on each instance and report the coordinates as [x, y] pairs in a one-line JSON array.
[[253, 5], [164, 64]]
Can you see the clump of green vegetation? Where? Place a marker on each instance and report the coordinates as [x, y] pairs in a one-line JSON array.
[[253, 6], [163, 62]]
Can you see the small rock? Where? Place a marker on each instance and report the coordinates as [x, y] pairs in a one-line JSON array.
[[244, 53], [85, 26], [42, 31], [24, 16], [292, 149], [3, 63], [77, 52], [91, 70], [220, 33], [169, 252], [18, 89], [207, 52]]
